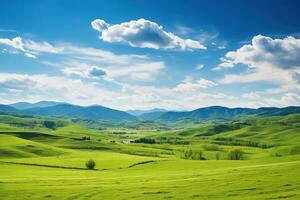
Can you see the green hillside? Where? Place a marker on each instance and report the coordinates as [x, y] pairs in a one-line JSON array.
[[44, 158]]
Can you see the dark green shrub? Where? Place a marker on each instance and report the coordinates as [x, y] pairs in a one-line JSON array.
[[235, 154], [49, 124], [90, 164]]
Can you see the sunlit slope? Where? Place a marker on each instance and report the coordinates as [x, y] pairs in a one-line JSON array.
[[277, 130], [182, 179], [38, 162]]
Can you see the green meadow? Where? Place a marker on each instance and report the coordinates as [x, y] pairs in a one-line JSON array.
[[146, 160]]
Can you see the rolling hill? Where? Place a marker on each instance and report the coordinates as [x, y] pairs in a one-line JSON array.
[[38, 162], [224, 113], [6, 108]]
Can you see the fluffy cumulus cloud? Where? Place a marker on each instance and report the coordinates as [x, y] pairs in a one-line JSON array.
[[281, 53], [144, 34], [84, 71], [269, 60]]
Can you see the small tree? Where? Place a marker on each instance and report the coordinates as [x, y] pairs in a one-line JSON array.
[[235, 154], [90, 164]]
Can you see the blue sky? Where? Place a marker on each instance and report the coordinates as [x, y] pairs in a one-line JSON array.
[[177, 55]]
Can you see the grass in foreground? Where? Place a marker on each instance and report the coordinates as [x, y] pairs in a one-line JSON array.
[[43, 163]]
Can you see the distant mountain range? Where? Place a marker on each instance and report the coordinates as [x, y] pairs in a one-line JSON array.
[[40, 104], [143, 112], [97, 112], [224, 113], [6, 108], [51, 108], [90, 112]]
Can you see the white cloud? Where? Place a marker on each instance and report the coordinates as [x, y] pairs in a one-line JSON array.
[[101, 56], [35, 87], [41, 47], [188, 85], [222, 47], [178, 97], [285, 100], [144, 34], [15, 43], [251, 95], [136, 71], [85, 71], [30, 48], [41, 87], [99, 25], [280, 53], [81, 61], [29, 55], [199, 66], [268, 60], [139, 71]]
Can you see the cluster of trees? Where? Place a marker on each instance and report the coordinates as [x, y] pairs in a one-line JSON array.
[[192, 154], [171, 140], [235, 154], [119, 132], [145, 141], [236, 142]]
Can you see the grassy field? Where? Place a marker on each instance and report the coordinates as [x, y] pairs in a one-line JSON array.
[[38, 162]]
